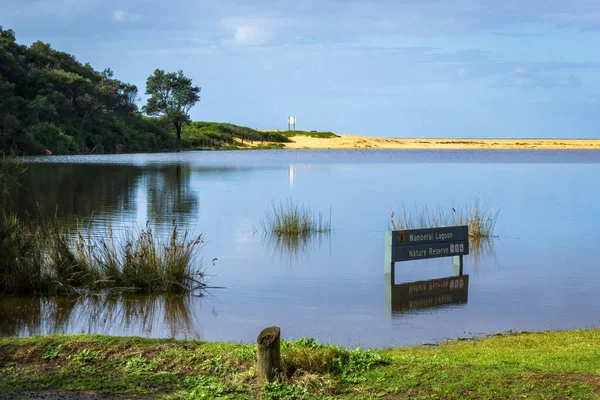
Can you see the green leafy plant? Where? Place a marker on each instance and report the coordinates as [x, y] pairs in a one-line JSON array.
[[52, 352], [246, 352], [87, 355], [137, 365]]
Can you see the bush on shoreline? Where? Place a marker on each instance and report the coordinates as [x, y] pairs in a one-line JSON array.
[[43, 258]]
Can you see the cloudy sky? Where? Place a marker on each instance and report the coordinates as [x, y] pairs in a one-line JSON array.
[[396, 68]]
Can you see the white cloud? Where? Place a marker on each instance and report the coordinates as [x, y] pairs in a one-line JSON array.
[[520, 77], [250, 31], [123, 16]]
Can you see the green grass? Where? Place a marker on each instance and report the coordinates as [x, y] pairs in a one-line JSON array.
[[320, 135], [223, 135], [291, 219], [480, 219], [269, 146], [543, 365], [42, 258]]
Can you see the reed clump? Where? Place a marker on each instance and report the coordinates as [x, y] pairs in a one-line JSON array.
[[479, 217], [11, 170], [290, 219], [41, 257]]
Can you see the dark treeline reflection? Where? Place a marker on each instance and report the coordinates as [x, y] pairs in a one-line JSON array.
[[146, 315], [170, 195], [75, 189], [84, 190]]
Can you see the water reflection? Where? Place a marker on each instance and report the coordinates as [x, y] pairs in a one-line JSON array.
[[169, 194], [148, 315], [103, 191], [429, 293], [67, 190], [481, 249], [291, 248]]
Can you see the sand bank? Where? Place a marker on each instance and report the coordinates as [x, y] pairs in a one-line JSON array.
[[368, 142]]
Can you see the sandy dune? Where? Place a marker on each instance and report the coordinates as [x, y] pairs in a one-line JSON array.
[[367, 142]]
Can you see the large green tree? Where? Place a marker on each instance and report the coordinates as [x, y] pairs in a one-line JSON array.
[[50, 102], [171, 95]]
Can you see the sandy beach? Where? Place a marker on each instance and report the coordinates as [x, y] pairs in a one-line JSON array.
[[368, 142]]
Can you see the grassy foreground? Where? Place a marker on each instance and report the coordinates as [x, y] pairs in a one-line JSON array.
[[526, 365]]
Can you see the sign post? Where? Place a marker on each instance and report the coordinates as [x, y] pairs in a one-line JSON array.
[[419, 244]]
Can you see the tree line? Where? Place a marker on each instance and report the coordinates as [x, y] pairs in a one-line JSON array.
[[52, 103]]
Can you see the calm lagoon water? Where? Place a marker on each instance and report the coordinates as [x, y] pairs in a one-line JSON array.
[[541, 273]]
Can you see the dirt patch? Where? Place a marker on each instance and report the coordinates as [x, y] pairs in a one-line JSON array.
[[60, 395], [589, 379]]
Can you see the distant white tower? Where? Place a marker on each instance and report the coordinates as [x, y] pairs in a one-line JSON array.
[[292, 123]]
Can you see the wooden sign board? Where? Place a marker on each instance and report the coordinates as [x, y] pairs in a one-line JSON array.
[[417, 244], [430, 293]]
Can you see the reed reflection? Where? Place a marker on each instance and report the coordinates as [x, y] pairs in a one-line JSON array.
[[291, 248], [146, 315], [481, 249], [20, 316]]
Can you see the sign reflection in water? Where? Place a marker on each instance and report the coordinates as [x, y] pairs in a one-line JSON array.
[[430, 293]]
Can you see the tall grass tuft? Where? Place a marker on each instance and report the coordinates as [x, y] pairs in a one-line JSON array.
[[44, 258], [290, 219], [151, 264], [21, 261], [480, 219], [11, 170]]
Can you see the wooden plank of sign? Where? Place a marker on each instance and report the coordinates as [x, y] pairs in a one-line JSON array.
[[412, 237], [431, 250]]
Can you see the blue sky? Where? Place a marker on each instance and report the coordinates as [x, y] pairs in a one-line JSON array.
[[395, 68]]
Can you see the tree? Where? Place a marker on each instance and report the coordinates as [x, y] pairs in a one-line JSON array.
[[172, 96], [51, 101]]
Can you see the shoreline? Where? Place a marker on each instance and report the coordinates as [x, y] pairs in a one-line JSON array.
[[368, 142], [545, 364]]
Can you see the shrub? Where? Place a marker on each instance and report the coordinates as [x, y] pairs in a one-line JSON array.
[[50, 137], [43, 258], [291, 219]]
